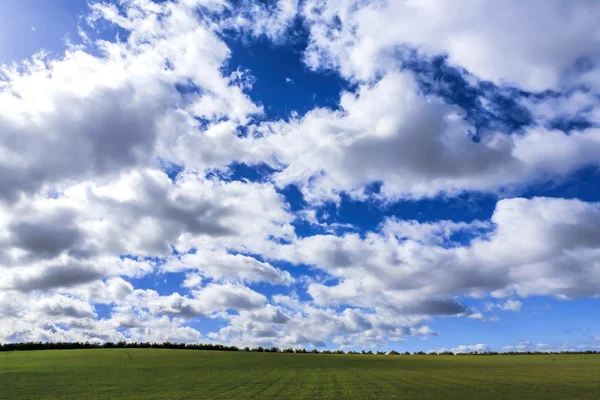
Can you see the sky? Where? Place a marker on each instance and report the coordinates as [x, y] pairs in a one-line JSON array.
[[348, 174]]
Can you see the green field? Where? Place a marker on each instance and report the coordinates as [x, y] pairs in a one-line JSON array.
[[186, 374]]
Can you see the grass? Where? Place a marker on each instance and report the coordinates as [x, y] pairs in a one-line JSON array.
[[186, 374]]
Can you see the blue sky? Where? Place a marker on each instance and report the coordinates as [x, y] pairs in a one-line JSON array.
[[301, 173]]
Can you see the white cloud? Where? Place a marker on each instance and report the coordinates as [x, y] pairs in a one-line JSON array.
[[291, 324], [480, 347], [480, 317], [509, 305], [204, 301], [495, 41], [220, 265], [272, 20], [416, 146], [470, 348], [527, 253], [101, 114], [79, 237], [65, 306]]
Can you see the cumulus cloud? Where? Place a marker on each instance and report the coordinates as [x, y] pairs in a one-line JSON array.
[[220, 265], [105, 113], [290, 323], [480, 347], [81, 236], [509, 305], [78, 219], [415, 145], [65, 306], [527, 253], [496, 42], [204, 301]]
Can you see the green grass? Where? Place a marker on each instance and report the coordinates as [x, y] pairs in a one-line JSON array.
[[186, 374]]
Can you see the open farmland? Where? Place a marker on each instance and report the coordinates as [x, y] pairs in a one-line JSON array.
[[181, 374]]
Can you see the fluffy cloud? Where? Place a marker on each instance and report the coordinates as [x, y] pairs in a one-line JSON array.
[[493, 41], [416, 146], [205, 301], [470, 348], [509, 305], [101, 114], [78, 219], [82, 235], [541, 246], [221, 265], [65, 306], [290, 323]]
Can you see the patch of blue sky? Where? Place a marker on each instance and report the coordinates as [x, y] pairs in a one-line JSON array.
[[239, 171], [103, 310], [583, 184], [486, 106], [369, 214], [164, 284], [206, 325], [28, 26], [171, 169], [283, 84], [542, 319]]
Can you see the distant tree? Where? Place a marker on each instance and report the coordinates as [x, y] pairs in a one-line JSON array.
[[393, 353], [220, 347]]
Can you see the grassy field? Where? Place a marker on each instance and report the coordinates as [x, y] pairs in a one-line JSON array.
[[185, 374]]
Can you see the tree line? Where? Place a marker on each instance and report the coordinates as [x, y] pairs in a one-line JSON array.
[[259, 349]]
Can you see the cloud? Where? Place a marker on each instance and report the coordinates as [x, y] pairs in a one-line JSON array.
[[112, 106], [53, 276], [65, 306], [416, 146], [509, 305], [480, 347], [205, 301], [289, 323], [480, 317], [271, 19], [364, 39], [220, 265], [82, 235], [527, 253]]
